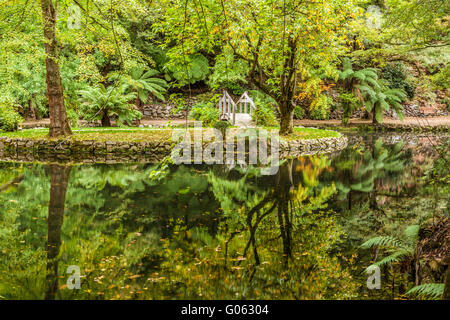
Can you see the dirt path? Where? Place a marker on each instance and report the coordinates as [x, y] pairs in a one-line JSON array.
[[428, 121]]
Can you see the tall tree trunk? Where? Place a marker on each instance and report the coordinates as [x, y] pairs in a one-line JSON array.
[[106, 121], [286, 117], [59, 125], [59, 177]]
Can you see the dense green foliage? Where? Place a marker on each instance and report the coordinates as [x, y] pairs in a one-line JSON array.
[[9, 119], [285, 51], [206, 113], [396, 76]]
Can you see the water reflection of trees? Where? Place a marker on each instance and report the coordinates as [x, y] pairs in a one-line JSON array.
[[194, 232], [367, 170], [198, 232], [277, 239]]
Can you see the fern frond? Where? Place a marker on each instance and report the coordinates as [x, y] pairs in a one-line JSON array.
[[428, 290], [382, 241], [394, 257], [345, 74], [412, 233], [347, 64]]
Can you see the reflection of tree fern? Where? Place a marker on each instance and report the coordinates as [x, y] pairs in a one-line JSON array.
[[427, 290], [378, 164]]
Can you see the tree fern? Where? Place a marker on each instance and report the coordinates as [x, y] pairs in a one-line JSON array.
[[352, 81], [379, 99], [373, 92], [100, 103], [144, 83]]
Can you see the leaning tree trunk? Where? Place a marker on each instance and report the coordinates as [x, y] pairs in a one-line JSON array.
[[59, 125]]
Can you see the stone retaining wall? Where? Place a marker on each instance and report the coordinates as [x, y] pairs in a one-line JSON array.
[[313, 146], [162, 111], [151, 152]]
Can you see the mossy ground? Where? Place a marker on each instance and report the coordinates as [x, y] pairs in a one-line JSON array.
[[310, 133]]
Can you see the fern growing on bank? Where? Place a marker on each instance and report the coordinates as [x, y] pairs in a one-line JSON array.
[[351, 79], [143, 83], [398, 249], [428, 291]]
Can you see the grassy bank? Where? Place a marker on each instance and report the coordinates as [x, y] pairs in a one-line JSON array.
[[147, 134]]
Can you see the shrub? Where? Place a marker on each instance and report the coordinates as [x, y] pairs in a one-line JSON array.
[[320, 108], [349, 103], [299, 112], [222, 126], [396, 74], [206, 113], [441, 80], [196, 70], [9, 118], [264, 115], [73, 117]]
